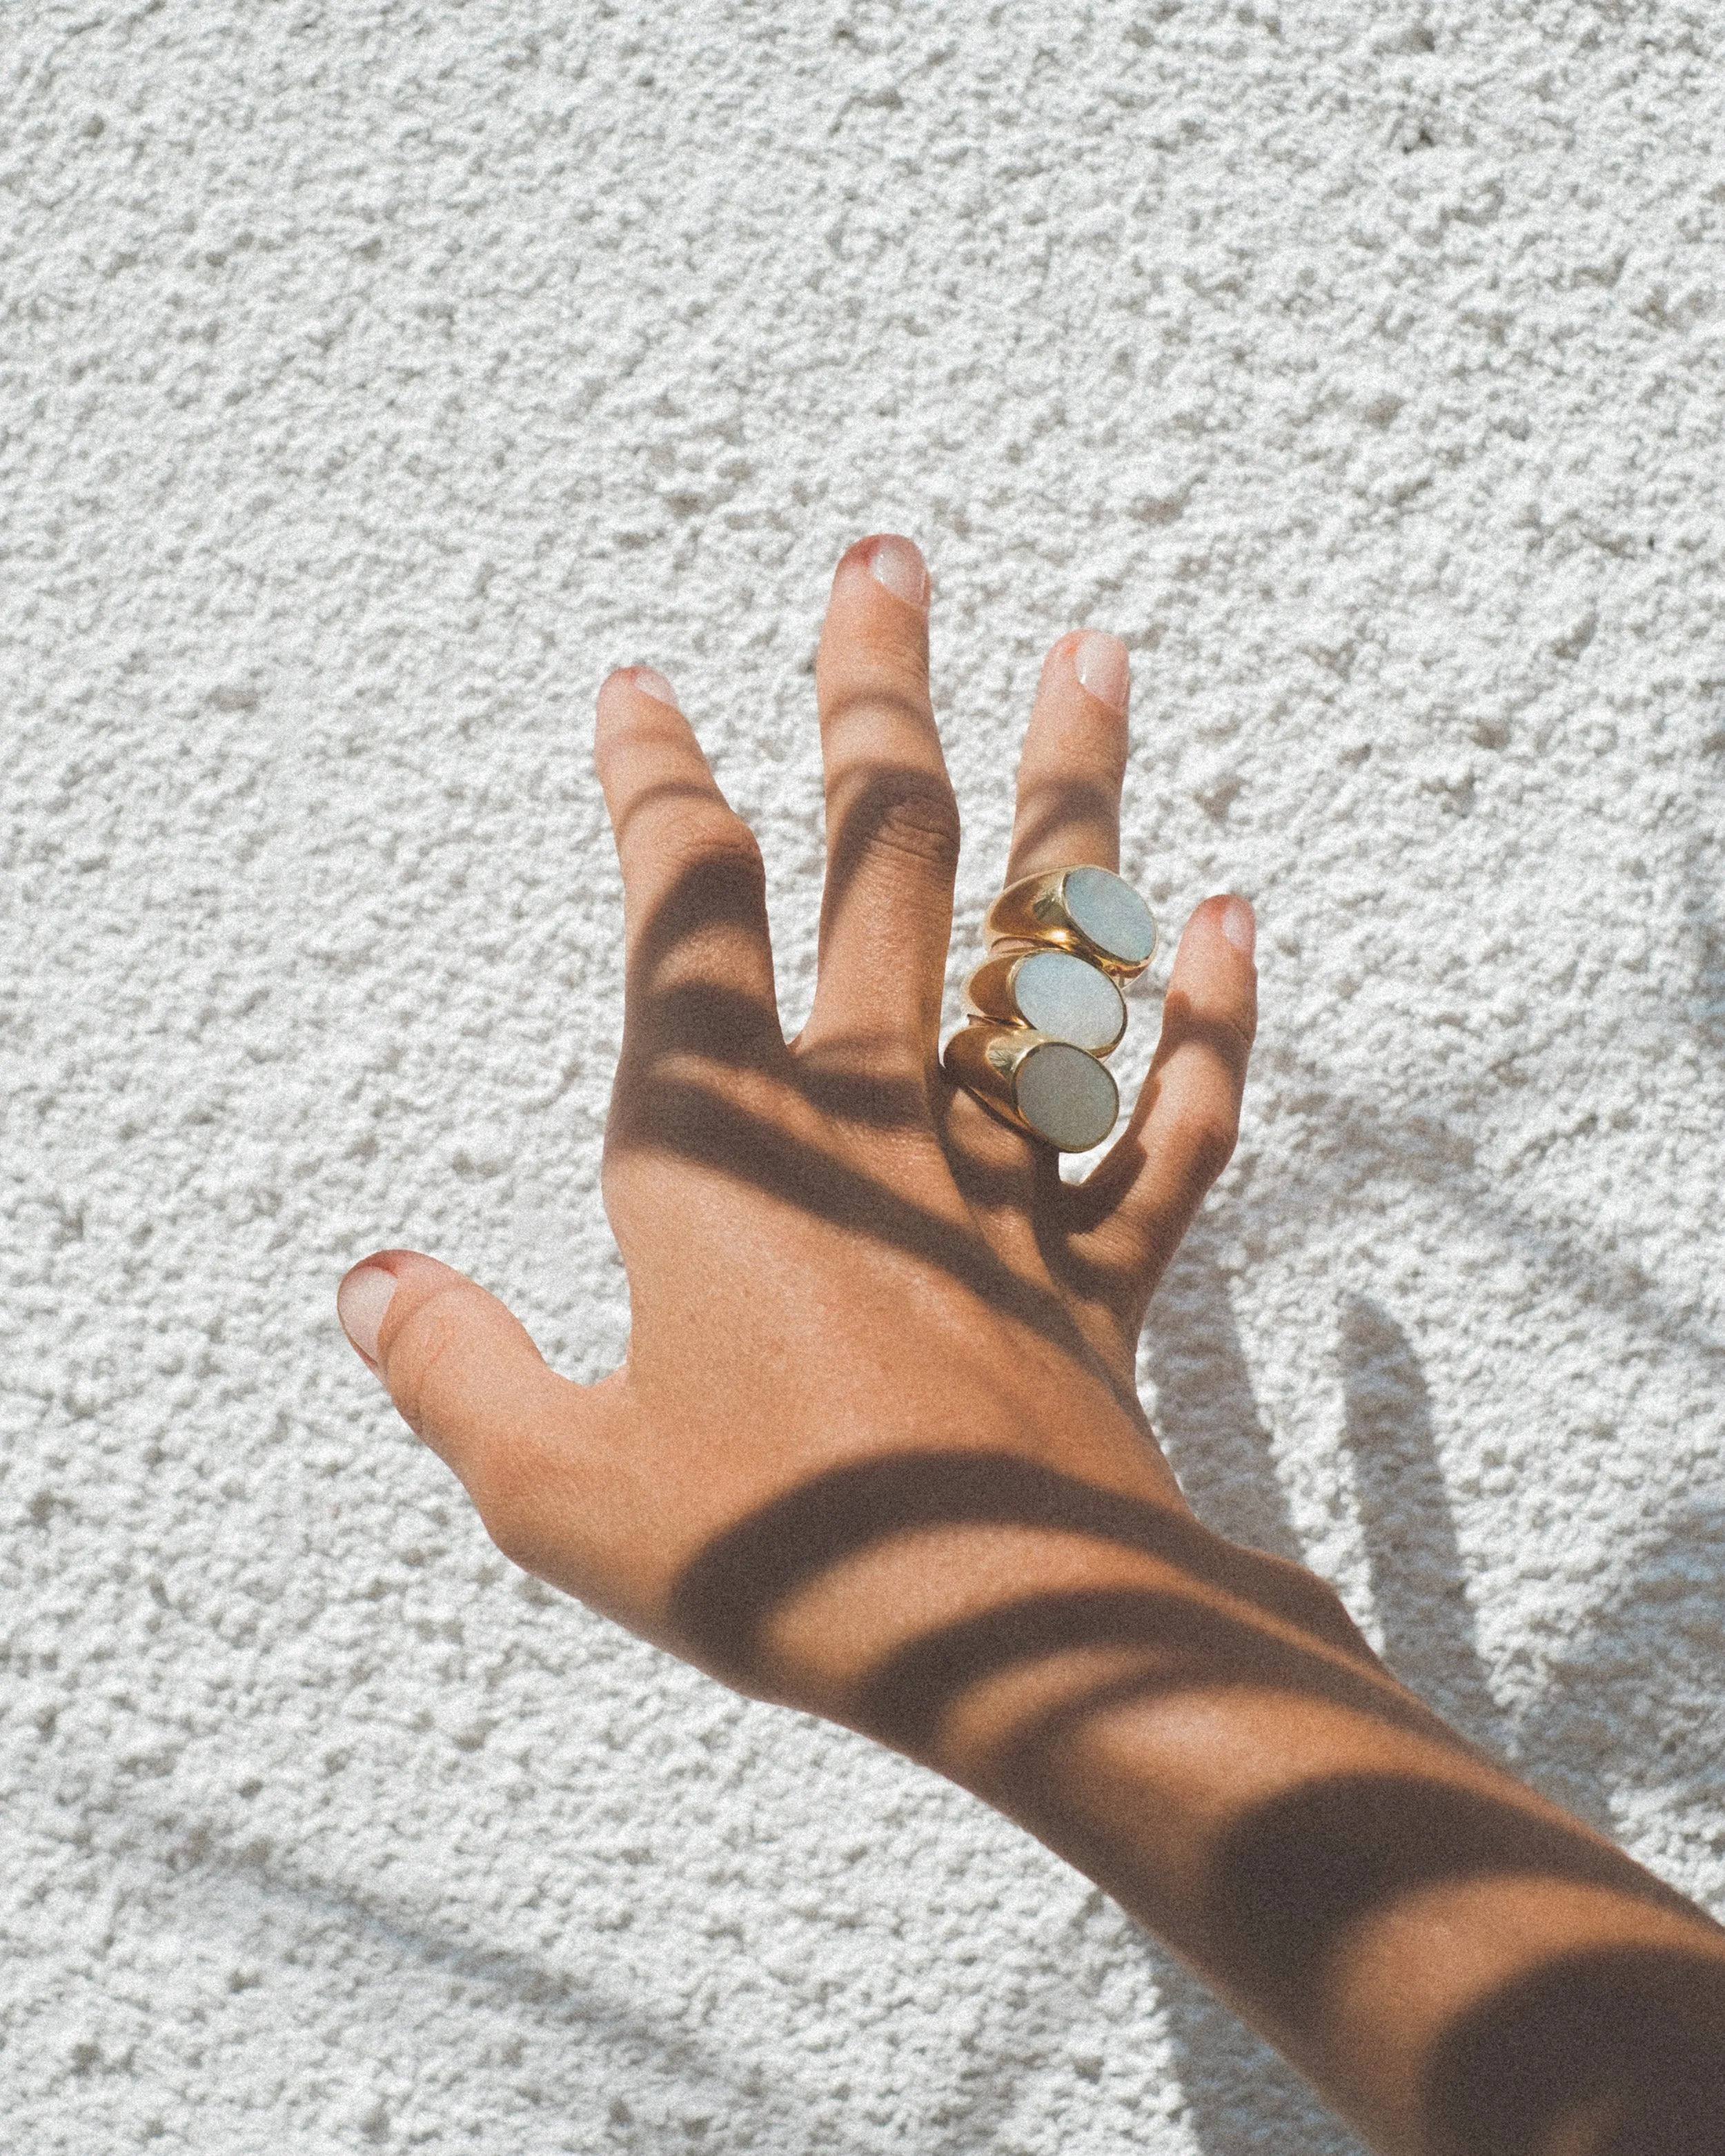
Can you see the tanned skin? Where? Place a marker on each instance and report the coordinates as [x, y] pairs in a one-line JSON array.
[[877, 1450]]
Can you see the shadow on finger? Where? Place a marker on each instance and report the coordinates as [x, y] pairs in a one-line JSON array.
[[1061, 808], [699, 968]]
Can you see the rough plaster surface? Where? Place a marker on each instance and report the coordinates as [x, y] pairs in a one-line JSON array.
[[373, 378]]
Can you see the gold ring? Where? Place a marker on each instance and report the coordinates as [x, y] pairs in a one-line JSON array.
[[1052, 991], [1087, 910], [1050, 1088], [1045, 1006]]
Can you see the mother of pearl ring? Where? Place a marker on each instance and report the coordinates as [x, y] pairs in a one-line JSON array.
[[1047, 1005]]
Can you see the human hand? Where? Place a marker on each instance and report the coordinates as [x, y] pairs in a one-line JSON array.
[[836, 1261], [876, 1451]]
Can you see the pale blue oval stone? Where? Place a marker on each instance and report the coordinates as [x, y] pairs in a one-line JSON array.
[[1069, 998], [1112, 914], [1066, 1096]]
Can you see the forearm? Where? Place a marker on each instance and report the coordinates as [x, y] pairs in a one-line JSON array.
[[1456, 1965]]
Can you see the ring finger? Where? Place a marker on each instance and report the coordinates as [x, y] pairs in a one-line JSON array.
[[1074, 758]]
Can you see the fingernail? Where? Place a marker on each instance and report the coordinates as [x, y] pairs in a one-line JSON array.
[[1239, 924], [361, 1302], [899, 565], [1104, 668], [652, 683]]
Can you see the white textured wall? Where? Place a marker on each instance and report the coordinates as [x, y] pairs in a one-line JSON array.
[[373, 377]]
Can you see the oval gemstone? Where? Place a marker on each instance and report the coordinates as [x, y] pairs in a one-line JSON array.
[[1066, 1096], [1069, 998], [1112, 914]]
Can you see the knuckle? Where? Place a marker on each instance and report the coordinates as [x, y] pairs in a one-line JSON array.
[[708, 839], [1209, 1137], [883, 659], [911, 816], [1239, 1030]]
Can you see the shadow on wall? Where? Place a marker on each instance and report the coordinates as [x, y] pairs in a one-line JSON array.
[[649, 2059], [1598, 1723], [1242, 2098]]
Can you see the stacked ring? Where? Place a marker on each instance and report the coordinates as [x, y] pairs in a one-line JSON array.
[[1045, 1007]]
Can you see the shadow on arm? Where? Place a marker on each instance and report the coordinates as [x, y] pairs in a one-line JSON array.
[[1621, 2051]]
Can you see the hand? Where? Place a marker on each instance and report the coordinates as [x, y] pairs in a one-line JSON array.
[[839, 1266], [876, 1452]]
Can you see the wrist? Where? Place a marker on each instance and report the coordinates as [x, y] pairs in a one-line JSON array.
[[950, 1602]]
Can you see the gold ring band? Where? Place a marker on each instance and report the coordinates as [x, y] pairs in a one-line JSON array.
[[1084, 909], [1045, 1006], [1050, 1088]]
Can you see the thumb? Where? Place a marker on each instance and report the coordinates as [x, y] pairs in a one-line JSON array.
[[466, 1378]]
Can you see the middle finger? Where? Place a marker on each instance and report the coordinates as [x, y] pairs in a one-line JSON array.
[[892, 823]]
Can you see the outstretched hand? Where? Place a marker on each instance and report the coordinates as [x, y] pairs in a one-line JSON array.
[[839, 1265], [876, 1452]]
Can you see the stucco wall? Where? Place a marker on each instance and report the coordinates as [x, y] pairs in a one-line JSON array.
[[373, 377]]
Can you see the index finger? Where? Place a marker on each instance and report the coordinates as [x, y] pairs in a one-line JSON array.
[[700, 963]]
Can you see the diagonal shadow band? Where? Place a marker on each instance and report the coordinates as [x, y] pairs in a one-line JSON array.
[[905, 1700], [728, 1593], [1629, 2043], [1061, 807], [1294, 1877], [677, 997]]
